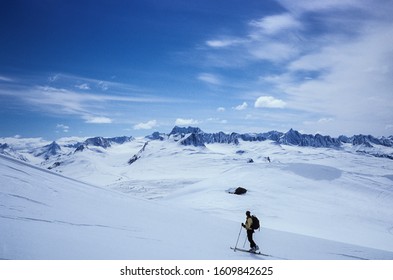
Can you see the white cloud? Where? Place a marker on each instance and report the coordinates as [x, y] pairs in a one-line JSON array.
[[272, 50], [209, 78], [276, 23], [84, 86], [241, 107], [5, 79], [180, 121], [222, 43], [63, 127], [54, 78], [220, 109], [354, 78], [97, 120], [217, 120], [147, 125], [218, 43], [260, 44], [273, 38], [62, 98], [269, 102], [301, 6], [325, 120], [103, 85]]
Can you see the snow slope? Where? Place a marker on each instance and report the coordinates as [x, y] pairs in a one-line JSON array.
[[44, 215], [317, 192], [47, 216]]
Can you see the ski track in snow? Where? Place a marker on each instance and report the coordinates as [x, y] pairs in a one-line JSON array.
[[64, 222], [27, 199], [352, 257]]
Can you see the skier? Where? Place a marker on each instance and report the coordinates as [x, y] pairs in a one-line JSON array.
[[250, 232]]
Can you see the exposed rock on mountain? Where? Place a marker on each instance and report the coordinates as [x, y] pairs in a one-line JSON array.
[[293, 137], [47, 151], [137, 155]]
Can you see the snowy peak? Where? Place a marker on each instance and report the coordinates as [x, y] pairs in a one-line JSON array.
[[98, 142], [48, 151], [193, 139], [367, 140], [188, 136], [222, 138], [5, 149], [293, 137], [157, 136], [120, 140], [196, 137], [102, 142], [185, 130]]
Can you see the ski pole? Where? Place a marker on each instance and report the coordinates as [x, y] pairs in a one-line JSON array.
[[245, 239], [238, 236]]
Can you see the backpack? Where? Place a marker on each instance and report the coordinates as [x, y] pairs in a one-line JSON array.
[[255, 222]]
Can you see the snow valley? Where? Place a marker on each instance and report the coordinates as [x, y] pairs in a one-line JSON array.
[[168, 196]]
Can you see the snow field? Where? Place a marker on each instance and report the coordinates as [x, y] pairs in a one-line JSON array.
[[173, 203]]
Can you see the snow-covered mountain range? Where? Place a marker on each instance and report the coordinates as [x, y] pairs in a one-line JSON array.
[[317, 197], [194, 136]]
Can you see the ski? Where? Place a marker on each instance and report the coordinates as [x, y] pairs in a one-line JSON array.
[[243, 250]]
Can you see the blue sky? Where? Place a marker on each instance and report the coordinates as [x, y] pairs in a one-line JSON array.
[[111, 68]]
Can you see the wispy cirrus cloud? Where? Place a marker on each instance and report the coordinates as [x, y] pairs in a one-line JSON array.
[[5, 79], [86, 83], [78, 96], [304, 6], [83, 86], [327, 60], [97, 119], [209, 78], [274, 24], [261, 41], [225, 42]]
